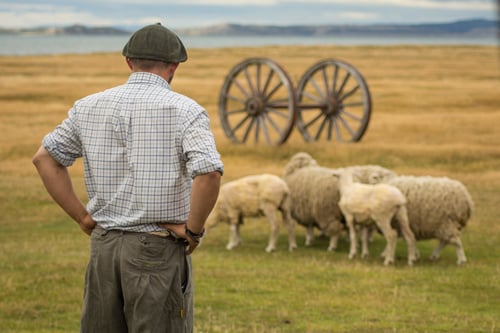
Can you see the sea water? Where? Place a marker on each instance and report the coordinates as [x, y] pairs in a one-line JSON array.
[[63, 44]]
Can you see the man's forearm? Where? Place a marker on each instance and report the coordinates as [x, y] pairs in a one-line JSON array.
[[203, 197], [57, 181]]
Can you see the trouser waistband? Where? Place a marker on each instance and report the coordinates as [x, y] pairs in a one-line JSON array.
[[163, 233]]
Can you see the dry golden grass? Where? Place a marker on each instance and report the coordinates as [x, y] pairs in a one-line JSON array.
[[425, 98], [436, 111]]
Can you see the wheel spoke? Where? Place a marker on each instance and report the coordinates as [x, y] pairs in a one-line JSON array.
[[241, 88], [249, 128], [236, 99], [325, 80], [257, 128], [312, 121], [335, 77], [346, 125], [330, 129], [276, 112], [344, 82], [313, 97], [274, 90], [265, 130], [338, 135], [242, 121], [349, 93], [237, 111], [272, 122], [318, 89], [258, 77], [249, 81], [350, 115], [268, 81], [353, 104], [321, 127]]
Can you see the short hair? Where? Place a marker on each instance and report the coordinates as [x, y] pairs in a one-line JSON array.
[[148, 64]]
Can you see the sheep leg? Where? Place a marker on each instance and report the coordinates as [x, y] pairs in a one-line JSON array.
[[461, 258], [437, 251], [391, 238], [234, 235], [334, 240], [270, 212], [365, 230], [352, 235], [459, 249], [333, 229], [309, 235], [402, 217], [290, 223], [292, 242]]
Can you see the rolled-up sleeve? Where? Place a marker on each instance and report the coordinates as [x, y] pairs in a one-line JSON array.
[[199, 145], [63, 144]]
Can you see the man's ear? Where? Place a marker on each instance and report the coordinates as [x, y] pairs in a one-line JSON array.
[[129, 62], [173, 68]]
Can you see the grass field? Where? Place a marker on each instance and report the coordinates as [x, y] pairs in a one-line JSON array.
[[436, 112]]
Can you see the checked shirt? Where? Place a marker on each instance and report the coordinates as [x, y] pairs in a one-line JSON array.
[[141, 144]]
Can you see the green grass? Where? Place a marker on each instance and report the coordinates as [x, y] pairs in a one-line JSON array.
[[43, 258]]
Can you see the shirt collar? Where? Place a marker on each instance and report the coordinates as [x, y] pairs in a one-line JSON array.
[[147, 78]]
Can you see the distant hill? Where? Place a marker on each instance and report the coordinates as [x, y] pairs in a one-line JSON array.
[[469, 28], [76, 29]]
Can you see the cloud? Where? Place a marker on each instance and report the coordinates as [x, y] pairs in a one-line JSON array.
[[21, 15], [225, 3], [452, 5], [436, 4], [363, 16], [189, 13], [442, 4]]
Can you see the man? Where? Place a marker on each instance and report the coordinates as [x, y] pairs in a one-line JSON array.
[[152, 174]]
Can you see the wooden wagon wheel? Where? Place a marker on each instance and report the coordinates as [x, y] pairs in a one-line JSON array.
[[258, 101], [333, 100]]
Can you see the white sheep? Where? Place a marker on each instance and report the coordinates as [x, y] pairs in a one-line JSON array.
[[253, 196], [380, 203], [314, 194], [438, 208]]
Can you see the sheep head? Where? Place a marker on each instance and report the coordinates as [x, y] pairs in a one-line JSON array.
[[298, 161]]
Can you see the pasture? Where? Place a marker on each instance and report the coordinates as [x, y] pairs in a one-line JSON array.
[[436, 111]]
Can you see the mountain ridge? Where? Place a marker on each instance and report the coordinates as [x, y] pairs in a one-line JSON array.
[[477, 27], [467, 28]]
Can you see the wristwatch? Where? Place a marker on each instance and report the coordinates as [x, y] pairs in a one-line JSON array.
[[195, 237]]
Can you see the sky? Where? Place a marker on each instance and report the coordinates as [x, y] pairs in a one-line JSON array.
[[201, 13]]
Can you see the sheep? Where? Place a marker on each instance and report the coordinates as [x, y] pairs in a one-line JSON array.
[[380, 203], [314, 194], [253, 196], [438, 208]]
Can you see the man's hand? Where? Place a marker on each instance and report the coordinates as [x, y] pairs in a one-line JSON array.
[[58, 183], [180, 231], [87, 224]]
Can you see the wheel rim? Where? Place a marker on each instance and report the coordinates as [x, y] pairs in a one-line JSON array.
[[333, 102], [257, 102]]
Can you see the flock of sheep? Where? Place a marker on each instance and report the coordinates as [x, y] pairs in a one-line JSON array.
[[359, 199]]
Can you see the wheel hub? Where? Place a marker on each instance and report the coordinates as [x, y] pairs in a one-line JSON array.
[[332, 107], [255, 106]]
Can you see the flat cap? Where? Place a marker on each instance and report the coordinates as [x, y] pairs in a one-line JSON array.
[[155, 42]]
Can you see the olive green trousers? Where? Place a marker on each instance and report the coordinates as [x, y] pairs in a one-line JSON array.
[[137, 283]]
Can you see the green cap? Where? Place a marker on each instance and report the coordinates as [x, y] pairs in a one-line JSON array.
[[155, 42]]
